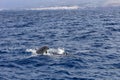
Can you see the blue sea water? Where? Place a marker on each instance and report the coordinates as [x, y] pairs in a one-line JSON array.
[[91, 37]]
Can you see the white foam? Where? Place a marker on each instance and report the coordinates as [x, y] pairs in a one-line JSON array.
[[58, 51], [55, 8], [33, 51]]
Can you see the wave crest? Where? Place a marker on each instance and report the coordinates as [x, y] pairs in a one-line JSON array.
[[55, 8]]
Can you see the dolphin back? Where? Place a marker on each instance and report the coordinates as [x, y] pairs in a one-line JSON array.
[[42, 50]]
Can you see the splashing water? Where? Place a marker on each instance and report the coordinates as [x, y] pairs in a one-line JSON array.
[[51, 51], [58, 51], [33, 51]]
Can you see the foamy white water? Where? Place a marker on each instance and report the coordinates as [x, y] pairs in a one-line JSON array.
[[33, 51], [58, 51], [55, 8]]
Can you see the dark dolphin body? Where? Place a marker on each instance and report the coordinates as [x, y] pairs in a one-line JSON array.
[[42, 50]]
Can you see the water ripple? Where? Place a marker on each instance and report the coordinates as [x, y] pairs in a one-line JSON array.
[[90, 37]]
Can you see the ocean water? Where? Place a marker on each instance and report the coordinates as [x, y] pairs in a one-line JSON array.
[[91, 37]]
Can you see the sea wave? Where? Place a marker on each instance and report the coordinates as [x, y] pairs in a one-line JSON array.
[[55, 8]]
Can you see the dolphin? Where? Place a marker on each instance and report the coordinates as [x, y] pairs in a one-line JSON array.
[[42, 50]]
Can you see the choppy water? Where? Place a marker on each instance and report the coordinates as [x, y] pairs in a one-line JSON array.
[[91, 37]]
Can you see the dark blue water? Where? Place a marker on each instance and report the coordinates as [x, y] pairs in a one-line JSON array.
[[91, 38]]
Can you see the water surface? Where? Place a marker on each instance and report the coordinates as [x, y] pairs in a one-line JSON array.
[[91, 37]]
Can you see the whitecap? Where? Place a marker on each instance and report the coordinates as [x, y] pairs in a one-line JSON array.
[[33, 51], [55, 8]]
